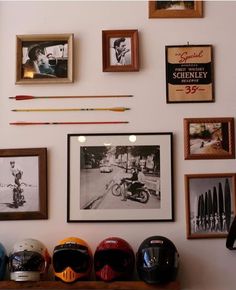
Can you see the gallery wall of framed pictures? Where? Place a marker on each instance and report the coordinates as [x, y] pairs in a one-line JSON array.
[[158, 71]]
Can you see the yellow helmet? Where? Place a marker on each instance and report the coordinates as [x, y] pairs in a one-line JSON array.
[[72, 260]]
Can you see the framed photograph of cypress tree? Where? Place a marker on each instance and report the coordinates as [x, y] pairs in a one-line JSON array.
[[209, 138], [210, 204]]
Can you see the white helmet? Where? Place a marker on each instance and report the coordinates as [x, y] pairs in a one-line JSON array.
[[28, 260]]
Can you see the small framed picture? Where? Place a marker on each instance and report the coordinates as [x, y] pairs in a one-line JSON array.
[[120, 177], [189, 74], [23, 184], [209, 138], [120, 50], [210, 204], [175, 9], [44, 58]]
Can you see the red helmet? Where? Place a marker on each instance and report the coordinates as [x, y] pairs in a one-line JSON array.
[[113, 260]]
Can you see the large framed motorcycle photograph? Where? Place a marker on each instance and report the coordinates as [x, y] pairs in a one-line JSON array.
[[120, 177], [23, 184]]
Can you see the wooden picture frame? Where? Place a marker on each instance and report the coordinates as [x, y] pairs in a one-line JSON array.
[[189, 73], [23, 184], [209, 138], [176, 9], [97, 166], [120, 50], [44, 58], [210, 204]]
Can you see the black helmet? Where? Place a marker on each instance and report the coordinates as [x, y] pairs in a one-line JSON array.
[[157, 260]]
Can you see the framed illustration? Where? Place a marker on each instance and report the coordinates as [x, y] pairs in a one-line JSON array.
[[175, 9], [44, 58], [120, 177], [209, 138], [189, 74], [120, 50], [23, 184], [210, 204]]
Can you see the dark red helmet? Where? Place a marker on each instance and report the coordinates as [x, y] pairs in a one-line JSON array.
[[114, 260]]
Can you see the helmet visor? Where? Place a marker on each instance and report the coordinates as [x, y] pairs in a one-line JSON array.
[[117, 260], [152, 257], [78, 261], [26, 261]]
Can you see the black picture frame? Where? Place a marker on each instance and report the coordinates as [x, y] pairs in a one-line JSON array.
[[97, 164]]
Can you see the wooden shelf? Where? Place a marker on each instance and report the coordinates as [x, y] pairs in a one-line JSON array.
[[88, 285]]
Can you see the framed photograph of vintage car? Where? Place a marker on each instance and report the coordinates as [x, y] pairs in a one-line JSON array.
[[210, 204], [120, 50], [23, 184], [176, 9], [189, 74], [120, 177], [209, 138], [44, 58]]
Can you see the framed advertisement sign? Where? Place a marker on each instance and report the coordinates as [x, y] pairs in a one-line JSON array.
[[189, 74]]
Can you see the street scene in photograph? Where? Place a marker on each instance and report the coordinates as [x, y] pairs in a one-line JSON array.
[[120, 177]]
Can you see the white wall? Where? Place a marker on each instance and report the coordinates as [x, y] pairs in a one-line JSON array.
[[205, 264]]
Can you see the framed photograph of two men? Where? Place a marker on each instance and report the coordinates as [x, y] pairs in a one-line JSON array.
[[120, 177], [189, 74]]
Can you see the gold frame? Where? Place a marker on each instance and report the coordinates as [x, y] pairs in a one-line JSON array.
[[197, 12], [43, 39], [210, 204], [106, 36]]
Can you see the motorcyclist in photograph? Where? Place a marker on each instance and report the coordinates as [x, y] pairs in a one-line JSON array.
[[136, 180]]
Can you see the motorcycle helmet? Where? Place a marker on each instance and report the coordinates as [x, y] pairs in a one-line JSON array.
[[29, 260], [72, 260], [113, 260], [3, 261], [157, 260]]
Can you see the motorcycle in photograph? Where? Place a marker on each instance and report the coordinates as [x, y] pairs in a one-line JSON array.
[[18, 197], [140, 194]]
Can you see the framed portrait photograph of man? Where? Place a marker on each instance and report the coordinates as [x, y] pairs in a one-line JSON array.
[[120, 50], [44, 58]]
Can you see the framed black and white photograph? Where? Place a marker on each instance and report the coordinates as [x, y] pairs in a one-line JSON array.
[[23, 184], [44, 58], [120, 177], [209, 138], [120, 50], [210, 204], [176, 9]]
